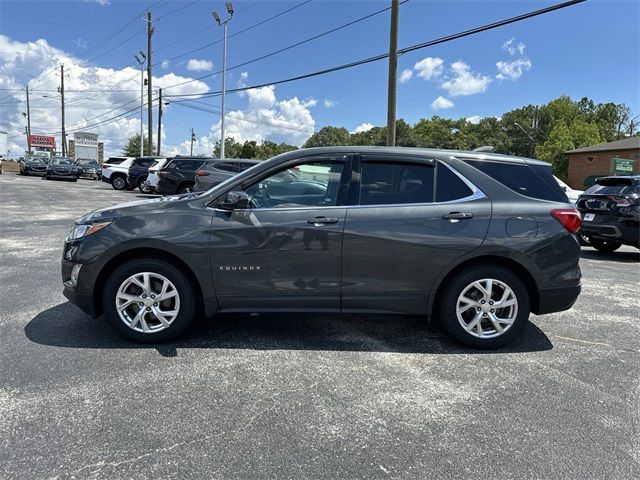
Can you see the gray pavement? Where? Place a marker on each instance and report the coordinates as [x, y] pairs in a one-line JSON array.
[[303, 396]]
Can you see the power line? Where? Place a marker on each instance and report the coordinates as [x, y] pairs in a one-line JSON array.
[[383, 56]]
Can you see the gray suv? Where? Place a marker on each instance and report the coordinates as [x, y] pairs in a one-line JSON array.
[[476, 240]]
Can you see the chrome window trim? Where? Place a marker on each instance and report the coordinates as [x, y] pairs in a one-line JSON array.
[[476, 194]]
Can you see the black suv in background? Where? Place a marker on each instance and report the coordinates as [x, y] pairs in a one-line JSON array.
[[139, 171], [179, 174], [438, 233], [610, 212], [213, 173]]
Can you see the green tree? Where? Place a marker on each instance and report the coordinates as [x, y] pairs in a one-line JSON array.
[[567, 136], [268, 149], [328, 136], [132, 149]]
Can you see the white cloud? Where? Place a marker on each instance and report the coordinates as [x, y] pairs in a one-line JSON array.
[[513, 48], [104, 3], [196, 65], [37, 62], [363, 127], [475, 119], [441, 103], [406, 75], [328, 103], [464, 82], [165, 64], [81, 43], [430, 67], [512, 70]]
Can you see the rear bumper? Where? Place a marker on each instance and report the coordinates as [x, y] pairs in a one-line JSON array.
[[626, 231], [557, 299]]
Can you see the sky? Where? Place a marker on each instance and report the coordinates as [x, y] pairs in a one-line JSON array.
[[590, 49]]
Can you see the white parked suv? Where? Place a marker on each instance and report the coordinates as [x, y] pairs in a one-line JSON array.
[[152, 179], [115, 171], [571, 193]]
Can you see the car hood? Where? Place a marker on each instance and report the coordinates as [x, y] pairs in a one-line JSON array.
[[140, 207]]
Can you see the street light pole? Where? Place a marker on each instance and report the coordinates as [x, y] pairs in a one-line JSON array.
[[224, 69], [141, 59]]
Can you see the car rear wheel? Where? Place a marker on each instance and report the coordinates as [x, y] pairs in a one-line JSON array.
[[118, 182], [484, 307], [143, 186], [188, 188], [606, 246], [149, 301]]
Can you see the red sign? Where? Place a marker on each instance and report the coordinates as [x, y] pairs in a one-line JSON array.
[[42, 141]]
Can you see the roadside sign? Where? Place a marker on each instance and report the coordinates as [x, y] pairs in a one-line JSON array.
[[622, 166], [42, 141]]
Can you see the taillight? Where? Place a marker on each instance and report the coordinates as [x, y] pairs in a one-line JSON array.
[[202, 173], [569, 218], [620, 201]]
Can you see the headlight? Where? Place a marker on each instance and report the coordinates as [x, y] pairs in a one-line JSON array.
[[80, 231]]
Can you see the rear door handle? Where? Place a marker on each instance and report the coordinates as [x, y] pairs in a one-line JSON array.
[[458, 215], [322, 220]]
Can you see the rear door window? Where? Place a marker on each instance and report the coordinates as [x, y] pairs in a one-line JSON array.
[[450, 186], [396, 183], [535, 181]]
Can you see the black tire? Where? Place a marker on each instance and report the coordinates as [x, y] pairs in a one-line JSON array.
[[447, 303], [187, 309], [143, 185], [605, 246], [118, 182], [186, 188]]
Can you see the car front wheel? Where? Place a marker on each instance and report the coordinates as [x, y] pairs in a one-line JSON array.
[[149, 301], [484, 307]]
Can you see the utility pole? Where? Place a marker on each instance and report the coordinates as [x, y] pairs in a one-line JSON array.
[[64, 133], [159, 120], [224, 24], [26, 134], [28, 122], [393, 67], [141, 59], [149, 86], [193, 137]]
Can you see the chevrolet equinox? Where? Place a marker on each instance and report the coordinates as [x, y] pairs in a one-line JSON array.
[[476, 240]]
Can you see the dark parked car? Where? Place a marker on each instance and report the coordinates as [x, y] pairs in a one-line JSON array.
[[62, 168], [34, 165], [440, 233], [213, 173], [179, 174], [610, 212], [139, 171], [89, 168]]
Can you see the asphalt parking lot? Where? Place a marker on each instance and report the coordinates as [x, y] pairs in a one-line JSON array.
[[293, 396]]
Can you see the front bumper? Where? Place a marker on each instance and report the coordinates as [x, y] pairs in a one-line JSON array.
[[31, 171], [557, 299]]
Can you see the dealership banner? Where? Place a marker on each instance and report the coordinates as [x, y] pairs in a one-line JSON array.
[[42, 141]]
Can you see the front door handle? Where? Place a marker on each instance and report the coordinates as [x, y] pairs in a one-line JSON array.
[[458, 216], [318, 221]]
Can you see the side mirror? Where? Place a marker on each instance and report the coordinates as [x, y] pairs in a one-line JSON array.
[[235, 200]]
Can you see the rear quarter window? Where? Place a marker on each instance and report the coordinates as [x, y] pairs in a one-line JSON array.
[[534, 181]]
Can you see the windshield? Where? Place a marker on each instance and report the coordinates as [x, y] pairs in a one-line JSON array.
[[87, 162], [34, 158], [62, 161]]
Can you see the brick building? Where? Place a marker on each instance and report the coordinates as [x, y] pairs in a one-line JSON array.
[[621, 157]]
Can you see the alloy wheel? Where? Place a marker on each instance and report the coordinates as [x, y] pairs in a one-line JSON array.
[[147, 302], [118, 183], [487, 308]]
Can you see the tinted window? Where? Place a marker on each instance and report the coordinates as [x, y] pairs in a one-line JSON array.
[[449, 186], [534, 181], [613, 186], [311, 184], [395, 183], [226, 167], [115, 161], [184, 165], [242, 166]]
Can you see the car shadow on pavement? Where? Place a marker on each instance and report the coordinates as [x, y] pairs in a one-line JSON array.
[[66, 326], [620, 257]]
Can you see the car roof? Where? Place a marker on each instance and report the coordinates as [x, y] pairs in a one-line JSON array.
[[620, 177], [429, 152]]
